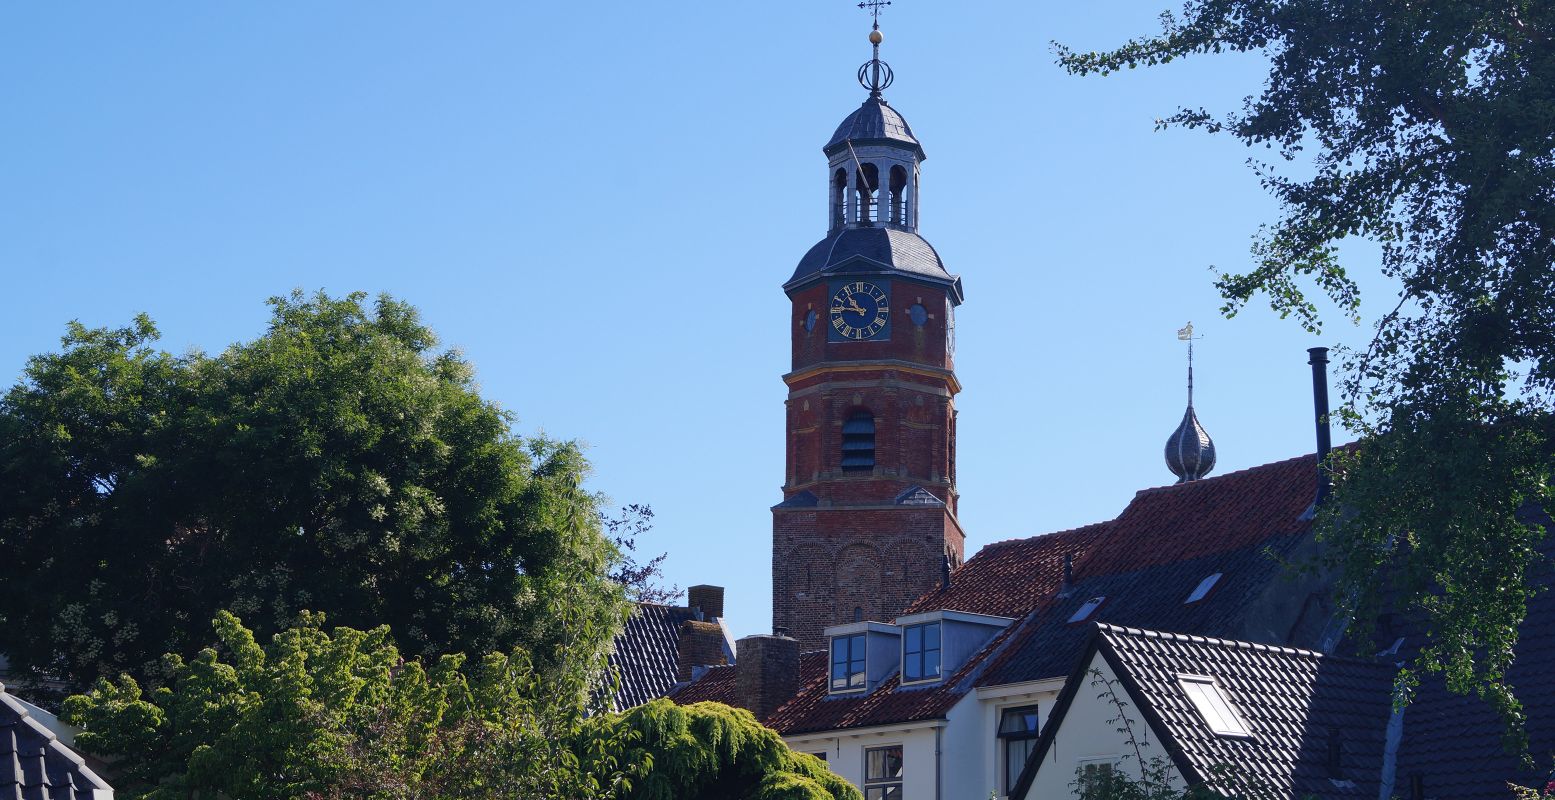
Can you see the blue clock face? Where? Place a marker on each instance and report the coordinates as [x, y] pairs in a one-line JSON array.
[[860, 310]]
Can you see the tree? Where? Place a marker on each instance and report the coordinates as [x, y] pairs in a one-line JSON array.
[[1425, 127], [641, 580], [340, 714], [338, 463]]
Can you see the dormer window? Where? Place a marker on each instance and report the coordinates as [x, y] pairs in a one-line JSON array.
[[1213, 705], [847, 663], [921, 652], [1202, 590], [858, 441], [1085, 611]]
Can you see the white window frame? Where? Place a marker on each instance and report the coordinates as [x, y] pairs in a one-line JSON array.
[[885, 785], [935, 678], [831, 649], [1214, 707]]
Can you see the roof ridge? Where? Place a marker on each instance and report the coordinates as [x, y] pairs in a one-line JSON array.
[[1060, 532], [1213, 478], [1238, 644]]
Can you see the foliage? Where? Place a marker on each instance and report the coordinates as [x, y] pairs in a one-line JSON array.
[[709, 751], [1526, 793], [338, 463], [339, 714], [640, 580], [1423, 127]]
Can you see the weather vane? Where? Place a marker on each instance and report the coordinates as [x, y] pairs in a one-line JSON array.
[[1185, 334], [876, 76]]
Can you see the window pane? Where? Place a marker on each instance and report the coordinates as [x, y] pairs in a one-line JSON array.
[[1016, 751], [914, 639], [1018, 721], [893, 792], [931, 664], [931, 636], [883, 763]]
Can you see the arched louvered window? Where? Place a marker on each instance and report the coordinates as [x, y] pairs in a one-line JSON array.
[[858, 441]]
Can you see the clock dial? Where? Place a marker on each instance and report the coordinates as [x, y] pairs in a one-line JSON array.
[[860, 310]]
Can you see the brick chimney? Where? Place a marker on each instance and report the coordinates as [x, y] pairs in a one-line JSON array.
[[701, 644], [767, 675], [710, 599]]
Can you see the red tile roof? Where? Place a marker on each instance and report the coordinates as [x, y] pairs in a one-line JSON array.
[[1009, 579], [1205, 517], [1019, 578], [716, 685]]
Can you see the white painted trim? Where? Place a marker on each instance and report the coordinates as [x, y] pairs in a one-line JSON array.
[[1007, 690], [954, 616]]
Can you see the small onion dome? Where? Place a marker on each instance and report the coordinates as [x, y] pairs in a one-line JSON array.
[[1190, 453]]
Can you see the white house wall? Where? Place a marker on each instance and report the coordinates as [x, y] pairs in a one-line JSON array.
[[1087, 734], [845, 754]]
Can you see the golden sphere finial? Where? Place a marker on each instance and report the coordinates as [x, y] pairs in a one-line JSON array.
[[875, 37]]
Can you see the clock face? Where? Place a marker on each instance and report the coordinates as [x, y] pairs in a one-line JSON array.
[[860, 310]]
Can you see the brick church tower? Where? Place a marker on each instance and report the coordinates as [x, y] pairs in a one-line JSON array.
[[868, 518]]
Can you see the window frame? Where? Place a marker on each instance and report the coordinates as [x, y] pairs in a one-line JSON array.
[[1214, 707], [862, 674], [1008, 738], [1104, 763], [923, 652], [884, 785]]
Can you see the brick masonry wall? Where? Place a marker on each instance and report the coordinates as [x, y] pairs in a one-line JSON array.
[[700, 644], [828, 562]]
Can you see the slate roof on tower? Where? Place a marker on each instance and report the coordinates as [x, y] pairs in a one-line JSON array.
[[879, 249], [36, 765], [875, 122]]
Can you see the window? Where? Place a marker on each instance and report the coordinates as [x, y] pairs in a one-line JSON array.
[[920, 653], [1203, 589], [1088, 609], [1213, 706], [847, 662], [1094, 779], [883, 773], [858, 441], [1018, 733], [822, 756]]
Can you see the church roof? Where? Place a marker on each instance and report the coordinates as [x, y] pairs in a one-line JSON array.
[[875, 122], [872, 250]]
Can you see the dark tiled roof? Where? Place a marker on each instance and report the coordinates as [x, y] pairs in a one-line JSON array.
[[1148, 598], [1009, 579], [1290, 699], [35, 765], [874, 122], [645, 652], [1454, 742], [874, 250]]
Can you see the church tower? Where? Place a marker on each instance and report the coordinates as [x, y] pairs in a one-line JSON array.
[[868, 518]]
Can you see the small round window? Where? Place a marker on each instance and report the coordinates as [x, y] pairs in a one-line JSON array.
[[809, 319], [919, 314]]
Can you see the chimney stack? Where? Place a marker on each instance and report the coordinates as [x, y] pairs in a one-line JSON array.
[[1319, 362], [700, 644], [708, 599], [767, 674]]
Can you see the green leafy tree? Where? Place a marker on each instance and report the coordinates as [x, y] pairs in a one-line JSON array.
[[341, 714], [340, 463], [1423, 127]]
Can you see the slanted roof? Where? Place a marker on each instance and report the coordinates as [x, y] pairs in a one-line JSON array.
[[35, 765], [1454, 743], [1290, 700], [645, 653], [1009, 579], [717, 685]]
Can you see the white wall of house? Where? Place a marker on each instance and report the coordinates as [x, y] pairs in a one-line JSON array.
[[1086, 735], [845, 754], [974, 754]]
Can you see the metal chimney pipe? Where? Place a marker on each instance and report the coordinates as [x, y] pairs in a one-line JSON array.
[[1319, 362]]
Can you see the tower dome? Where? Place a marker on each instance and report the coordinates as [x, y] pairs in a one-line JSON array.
[[874, 123], [1190, 453]]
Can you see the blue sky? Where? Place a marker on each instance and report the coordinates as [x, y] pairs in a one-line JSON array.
[[559, 187]]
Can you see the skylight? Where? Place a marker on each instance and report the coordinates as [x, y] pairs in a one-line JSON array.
[[1203, 589], [1088, 609], [1213, 706]]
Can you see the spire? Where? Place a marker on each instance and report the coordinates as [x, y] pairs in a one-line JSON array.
[[875, 75], [1190, 453]]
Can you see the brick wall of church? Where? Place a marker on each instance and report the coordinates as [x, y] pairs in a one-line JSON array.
[[827, 562]]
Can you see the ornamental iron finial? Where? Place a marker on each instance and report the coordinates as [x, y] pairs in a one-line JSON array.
[[1190, 453], [875, 75]]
